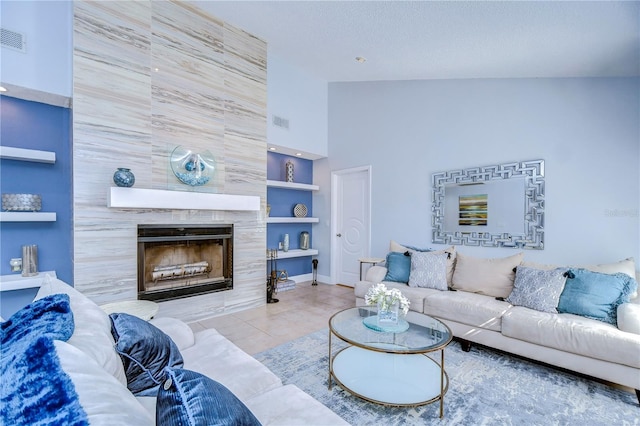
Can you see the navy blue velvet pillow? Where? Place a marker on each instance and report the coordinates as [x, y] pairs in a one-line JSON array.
[[190, 398], [50, 316], [145, 351], [596, 295], [398, 267], [35, 389]]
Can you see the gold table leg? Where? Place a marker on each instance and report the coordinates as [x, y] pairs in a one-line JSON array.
[[330, 360], [442, 383]]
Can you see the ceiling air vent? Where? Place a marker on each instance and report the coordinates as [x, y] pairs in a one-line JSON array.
[[13, 40], [281, 122]]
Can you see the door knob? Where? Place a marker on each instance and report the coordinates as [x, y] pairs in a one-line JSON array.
[[338, 235]]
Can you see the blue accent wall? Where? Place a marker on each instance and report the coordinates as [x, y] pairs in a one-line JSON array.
[[34, 125], [282, 202]]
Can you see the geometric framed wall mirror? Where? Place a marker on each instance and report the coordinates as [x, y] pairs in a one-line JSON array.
[[492, 206]]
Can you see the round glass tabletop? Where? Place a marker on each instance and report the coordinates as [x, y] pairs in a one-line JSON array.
[[424, 333]]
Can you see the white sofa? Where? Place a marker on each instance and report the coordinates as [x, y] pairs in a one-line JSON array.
[[96, 370], [572, 342]]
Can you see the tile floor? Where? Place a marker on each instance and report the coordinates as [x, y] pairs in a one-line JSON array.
[[300, 311]]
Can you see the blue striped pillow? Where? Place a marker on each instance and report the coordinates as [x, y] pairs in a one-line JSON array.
[[190, 398]]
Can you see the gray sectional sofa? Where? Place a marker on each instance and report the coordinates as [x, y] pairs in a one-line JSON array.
[[574, 342]]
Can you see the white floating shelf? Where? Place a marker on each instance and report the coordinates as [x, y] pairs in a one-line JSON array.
[[137, 198], [292, 185], [295, 253], [293, 220], [33, 155], [28, 217], [18, 282]]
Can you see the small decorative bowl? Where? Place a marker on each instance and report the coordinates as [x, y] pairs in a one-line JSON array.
[[21, 202], [300, 210]]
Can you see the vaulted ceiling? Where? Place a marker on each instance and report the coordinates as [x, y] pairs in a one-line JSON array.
[[406, 40]]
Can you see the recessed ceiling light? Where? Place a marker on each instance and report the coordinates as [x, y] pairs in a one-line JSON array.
[[2, 89], [361, 60], [272, 149], [299, 154]]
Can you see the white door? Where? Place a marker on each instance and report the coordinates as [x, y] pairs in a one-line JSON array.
[[351, 222]]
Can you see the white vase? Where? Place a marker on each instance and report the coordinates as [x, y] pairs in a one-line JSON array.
[[285, 243]]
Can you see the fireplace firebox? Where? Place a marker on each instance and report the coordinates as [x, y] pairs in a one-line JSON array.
[[176, 261]]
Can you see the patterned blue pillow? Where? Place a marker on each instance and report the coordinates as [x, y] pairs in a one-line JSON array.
[[398, 267], [429, 270], [596, 295], [35, 389], [190, 398], [538, 289], [145, 351], [50, 316]]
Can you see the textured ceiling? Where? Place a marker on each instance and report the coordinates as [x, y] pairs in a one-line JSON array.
[[406, 40]]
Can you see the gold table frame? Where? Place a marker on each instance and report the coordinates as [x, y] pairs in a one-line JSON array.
[[347, 326]]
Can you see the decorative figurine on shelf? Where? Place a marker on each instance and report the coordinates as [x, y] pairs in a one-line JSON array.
[[304, 240], [124, 177], [288, 167], [29, 260]]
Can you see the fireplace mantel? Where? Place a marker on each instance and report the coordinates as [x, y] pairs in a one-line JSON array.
[[138, 198]]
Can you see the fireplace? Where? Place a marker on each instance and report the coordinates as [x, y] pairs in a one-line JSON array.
[[176, 261]]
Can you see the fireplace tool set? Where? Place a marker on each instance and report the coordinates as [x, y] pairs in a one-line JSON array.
[[314, 262], [272, 278]]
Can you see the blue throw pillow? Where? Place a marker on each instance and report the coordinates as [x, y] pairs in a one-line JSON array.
[[50, 316], [596, 295], [35, 389], [398, 267], [190, 398], [145, 351]]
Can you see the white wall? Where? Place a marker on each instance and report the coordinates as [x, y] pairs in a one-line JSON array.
[[586, 130], [47, 65], [303, 101]]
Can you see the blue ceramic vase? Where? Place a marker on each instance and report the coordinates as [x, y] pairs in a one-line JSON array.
[[124, 178]]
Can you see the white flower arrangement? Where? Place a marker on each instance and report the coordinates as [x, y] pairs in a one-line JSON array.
[[386, 297]]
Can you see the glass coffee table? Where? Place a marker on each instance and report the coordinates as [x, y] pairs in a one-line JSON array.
[[389, 367]]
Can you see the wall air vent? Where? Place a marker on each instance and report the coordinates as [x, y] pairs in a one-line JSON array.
[[281, 122], [13, 40]]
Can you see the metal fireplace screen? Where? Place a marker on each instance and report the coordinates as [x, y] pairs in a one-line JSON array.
[[185, 260]]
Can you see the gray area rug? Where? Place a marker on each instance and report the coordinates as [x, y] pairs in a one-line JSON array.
[[486, 388]]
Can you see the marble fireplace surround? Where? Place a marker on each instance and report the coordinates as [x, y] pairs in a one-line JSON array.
[[149, 76]]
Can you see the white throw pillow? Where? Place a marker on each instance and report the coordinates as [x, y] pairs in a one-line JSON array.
[[105, 400], [629, 318], [428, 270], [92, 333], [451, 262], [493, 277]]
